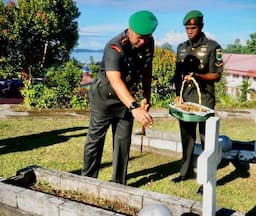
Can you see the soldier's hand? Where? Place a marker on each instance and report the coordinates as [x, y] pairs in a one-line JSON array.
[[189, 76], [144, 104], [141, 115], [178, 100]]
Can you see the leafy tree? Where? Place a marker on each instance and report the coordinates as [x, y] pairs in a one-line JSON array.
[[167, 46], [237, 48], [234, 48], [40, 33], [244, 90], [9, 61], [251, 44], [220, 88]]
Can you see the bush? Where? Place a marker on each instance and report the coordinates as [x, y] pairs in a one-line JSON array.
[[61, 89], [78, 101], [163, 71]]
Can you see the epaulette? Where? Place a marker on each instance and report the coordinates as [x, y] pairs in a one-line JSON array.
[[115, 47]]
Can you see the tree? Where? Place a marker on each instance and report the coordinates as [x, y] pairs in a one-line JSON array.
[[251, 44], [244, 90], [9, 62], [237, 48], [41, 33], [166, 46], [234, 48]]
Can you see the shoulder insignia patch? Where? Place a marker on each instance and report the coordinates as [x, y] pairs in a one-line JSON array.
[[218, 64], [219, 54], [116, 48]]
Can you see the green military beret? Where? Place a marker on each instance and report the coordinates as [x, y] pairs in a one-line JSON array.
[[143, 22], [193, 17]]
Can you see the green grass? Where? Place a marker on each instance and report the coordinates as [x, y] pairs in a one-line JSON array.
[[56, 141]]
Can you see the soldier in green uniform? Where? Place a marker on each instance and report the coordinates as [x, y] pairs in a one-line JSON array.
[[126, 69], [201, 58]]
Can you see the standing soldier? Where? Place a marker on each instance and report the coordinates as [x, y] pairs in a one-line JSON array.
[[126, 69], [201, 58]]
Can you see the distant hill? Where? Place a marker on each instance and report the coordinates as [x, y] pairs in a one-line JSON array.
[[87, 50]]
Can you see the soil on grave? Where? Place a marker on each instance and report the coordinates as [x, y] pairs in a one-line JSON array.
[[88, 199]]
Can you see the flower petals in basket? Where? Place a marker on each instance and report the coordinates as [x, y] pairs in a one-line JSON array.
[[188, 111]]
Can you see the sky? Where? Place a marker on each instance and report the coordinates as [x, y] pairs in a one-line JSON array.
[[224, 20]]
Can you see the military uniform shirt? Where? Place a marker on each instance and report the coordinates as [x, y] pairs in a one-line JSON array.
[[204, 56], [119, 55]]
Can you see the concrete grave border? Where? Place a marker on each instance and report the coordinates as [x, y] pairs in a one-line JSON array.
[[37, 203]]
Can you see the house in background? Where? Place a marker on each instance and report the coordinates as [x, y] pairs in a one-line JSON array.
[[87, 78], [237, 68]]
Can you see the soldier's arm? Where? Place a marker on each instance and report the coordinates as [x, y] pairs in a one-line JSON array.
[[140, 114], [208, 77], [215, 66], [119, 87]]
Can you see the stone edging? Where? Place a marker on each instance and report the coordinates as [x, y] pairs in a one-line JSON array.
[[44, 204]]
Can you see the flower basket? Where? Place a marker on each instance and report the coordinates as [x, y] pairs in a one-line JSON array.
[[188, 111]]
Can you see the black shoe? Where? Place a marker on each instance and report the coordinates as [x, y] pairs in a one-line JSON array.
[[200, 190], [179, 179]]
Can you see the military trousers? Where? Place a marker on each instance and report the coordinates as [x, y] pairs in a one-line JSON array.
[[121, 138], [188, 141]]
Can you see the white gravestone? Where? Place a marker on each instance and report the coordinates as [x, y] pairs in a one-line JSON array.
[[207, 166], [155, 210]]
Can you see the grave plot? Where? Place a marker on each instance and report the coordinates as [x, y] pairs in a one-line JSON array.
[[20, 192]]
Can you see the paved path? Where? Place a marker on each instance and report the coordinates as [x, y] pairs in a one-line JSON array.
[[5, 110]]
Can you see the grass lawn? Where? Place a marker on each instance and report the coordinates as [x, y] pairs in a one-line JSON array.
[[55, 140]]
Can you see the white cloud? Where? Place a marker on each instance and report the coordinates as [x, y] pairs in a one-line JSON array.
[[173, 38], [95, 37], [100, 30]]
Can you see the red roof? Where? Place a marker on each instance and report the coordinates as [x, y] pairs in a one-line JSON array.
[[86, 79], [240, 64]]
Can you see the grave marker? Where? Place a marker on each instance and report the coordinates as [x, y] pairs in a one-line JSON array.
[[207, 166]]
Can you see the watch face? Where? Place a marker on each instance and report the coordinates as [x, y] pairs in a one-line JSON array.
[[134, 105]]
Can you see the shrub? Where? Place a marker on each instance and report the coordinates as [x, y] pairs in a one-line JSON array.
[[61, 89], [163, 71]]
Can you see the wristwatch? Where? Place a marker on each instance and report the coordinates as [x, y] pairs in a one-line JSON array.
[[133, 105]]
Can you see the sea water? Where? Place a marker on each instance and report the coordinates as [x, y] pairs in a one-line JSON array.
[[85, 56]]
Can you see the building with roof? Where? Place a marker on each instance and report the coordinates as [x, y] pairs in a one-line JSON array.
[[238, 68], [87, 77]]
